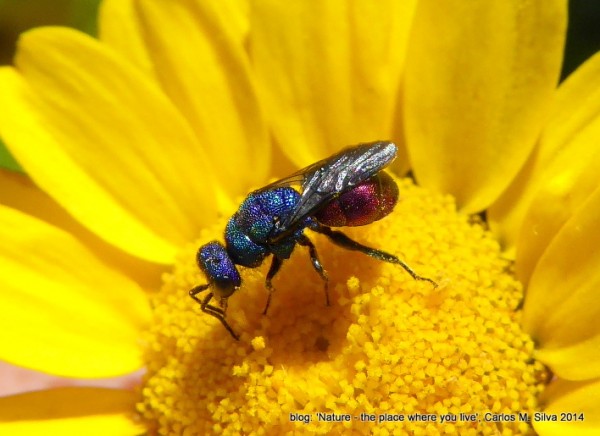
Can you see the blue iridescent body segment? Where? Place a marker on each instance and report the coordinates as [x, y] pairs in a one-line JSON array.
[[256, 223], [346, 189]]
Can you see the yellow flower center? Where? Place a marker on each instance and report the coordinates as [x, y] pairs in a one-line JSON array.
[[389, 355]]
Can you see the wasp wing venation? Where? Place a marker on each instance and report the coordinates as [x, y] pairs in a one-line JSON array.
[[329, 177], [301, 176], [340, 173]]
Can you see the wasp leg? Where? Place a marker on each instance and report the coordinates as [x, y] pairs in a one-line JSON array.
[[314, 258], [344, 241], [273, 269], [212, 310]]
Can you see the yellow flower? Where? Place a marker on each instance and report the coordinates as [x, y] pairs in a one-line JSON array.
[[140, 145]]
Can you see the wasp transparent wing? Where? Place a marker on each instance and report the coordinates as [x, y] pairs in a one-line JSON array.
[[324, 180]]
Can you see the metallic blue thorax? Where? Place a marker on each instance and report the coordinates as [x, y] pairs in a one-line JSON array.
[[251, 230]]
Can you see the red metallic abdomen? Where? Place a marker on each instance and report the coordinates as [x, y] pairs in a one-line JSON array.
[[365, 203]]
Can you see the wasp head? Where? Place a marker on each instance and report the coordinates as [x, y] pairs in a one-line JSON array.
[[220, 270]]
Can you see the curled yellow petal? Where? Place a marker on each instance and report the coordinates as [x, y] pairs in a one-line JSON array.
[[564, 150], [566, 170], [562, 304]]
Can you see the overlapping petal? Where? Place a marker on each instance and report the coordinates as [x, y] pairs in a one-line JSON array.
[[329, 72], [105, 143], [209, 81], [20, 193], [476, 94], [559, 176], [119, 27], [69, 411], [576, 407], [63, 311], [562, 304]]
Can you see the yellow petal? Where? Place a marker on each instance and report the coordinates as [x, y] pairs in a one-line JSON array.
[[105, 143], [20, 193], [576, 407], [479, 79], [562, 304], [64, 312], [561, 174], [329, 71], [119, 27], [70, 411], [202, 67]]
